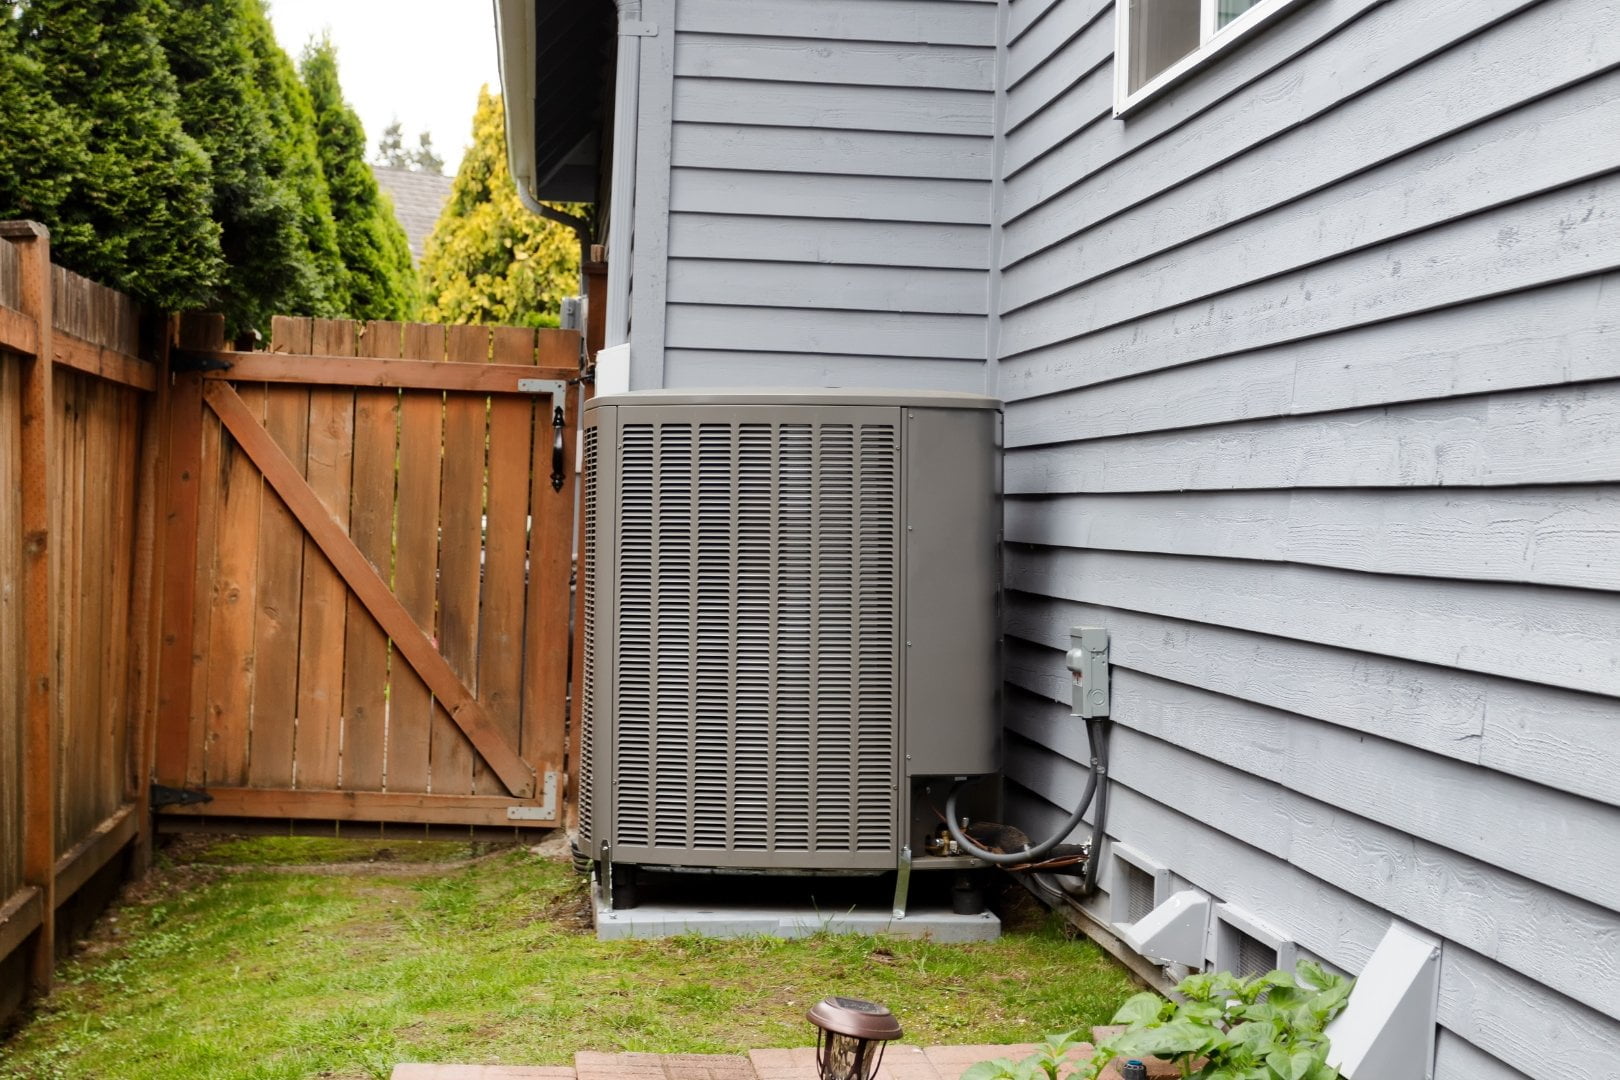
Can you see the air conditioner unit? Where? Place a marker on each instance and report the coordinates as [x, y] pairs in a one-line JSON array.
[[791, 628]]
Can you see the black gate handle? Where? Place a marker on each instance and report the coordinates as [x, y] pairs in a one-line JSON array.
[[557, 475]]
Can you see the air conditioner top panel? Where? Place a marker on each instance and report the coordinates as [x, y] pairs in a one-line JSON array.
[[920, 399]]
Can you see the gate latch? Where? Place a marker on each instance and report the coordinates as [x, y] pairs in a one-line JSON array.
[[558, 389]]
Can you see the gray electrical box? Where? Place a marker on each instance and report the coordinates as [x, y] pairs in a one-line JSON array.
[[1088, 662], [791, 621], [572, 314]]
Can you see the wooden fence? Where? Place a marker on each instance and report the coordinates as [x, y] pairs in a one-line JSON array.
[[324, 584], [78, 560]]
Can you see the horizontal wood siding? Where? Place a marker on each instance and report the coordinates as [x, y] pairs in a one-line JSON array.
[[1313, 382], [831, 164]]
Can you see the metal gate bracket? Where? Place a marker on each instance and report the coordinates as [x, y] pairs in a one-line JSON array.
[[162, 795], [546, 811], [557, 388]]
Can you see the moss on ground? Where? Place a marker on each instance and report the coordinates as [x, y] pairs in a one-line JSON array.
[[272, 959]]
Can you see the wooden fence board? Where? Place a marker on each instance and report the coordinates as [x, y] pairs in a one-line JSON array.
[[461, 508], [232, 611], [280, 578], [325, 599], [11, 629], [371, 527], [550, 562], [506, 555], [40, 470], [416, 565], [180, 538]]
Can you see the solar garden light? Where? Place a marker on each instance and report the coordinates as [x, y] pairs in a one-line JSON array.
[[850, 1037]]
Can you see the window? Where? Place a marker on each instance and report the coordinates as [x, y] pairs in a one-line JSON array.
[[1159, 41]]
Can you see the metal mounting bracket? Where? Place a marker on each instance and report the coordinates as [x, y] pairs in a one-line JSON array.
[[162, 795], [189, 360], [546, 811], [556, 388], [902, 883]]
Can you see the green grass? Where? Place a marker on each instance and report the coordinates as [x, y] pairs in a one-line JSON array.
[[306, 958]]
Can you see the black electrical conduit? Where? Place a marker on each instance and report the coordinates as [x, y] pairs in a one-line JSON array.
[[1096, 784]]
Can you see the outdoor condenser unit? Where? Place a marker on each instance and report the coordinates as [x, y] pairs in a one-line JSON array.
[[792, 624]]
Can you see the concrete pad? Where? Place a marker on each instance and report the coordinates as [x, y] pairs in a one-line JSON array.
[[713, 919]]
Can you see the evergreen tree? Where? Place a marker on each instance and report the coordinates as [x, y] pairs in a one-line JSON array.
[[489, 259], [391, 152], [391, 147], [322, 288], [42, 153], [222, 105], [138, 216], [424, 158], [376, 253]]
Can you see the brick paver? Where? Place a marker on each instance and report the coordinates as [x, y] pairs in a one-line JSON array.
[[902, 1061], [597, 1066]]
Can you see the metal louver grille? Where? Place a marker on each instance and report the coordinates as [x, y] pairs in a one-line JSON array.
[[587, 688], [1138, 886], [757, 624], [1254, 957]]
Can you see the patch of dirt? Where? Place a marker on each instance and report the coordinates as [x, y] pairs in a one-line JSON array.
[[1020, 912], [570, 913]]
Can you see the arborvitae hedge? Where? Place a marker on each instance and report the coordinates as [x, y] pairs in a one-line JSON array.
[[295, 160], [382, 282], [42, 145], [175, 153], [138, 215]]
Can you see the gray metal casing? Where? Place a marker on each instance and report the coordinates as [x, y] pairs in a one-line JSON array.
[[792, 607]]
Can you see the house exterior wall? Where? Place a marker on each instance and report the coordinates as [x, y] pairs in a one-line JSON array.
[[1313, 385], [1313, 400], [826, 168]]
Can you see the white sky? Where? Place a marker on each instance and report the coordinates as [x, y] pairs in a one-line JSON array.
[[421, 61]]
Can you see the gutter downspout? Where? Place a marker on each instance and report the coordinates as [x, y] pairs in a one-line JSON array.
[[622, 212]]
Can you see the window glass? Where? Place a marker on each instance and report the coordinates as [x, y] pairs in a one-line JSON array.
[[1162, 32], [1227, 10]]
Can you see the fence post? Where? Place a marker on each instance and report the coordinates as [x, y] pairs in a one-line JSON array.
[[39, 592], [157, 333]]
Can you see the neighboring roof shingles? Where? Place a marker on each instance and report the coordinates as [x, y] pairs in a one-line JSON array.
[[418, 199]]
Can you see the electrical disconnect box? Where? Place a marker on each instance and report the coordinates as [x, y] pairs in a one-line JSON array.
[[1088, 662], [572, 314]]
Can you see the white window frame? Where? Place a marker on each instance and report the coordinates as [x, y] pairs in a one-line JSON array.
[[1213, 43]]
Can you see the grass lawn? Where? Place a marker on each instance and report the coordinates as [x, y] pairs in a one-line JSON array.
[[293, 957]]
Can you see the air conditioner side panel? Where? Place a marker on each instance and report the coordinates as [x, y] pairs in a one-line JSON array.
[[952, 592], [597, 573]]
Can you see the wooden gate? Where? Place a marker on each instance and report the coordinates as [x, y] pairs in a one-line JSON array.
[[377, 629]]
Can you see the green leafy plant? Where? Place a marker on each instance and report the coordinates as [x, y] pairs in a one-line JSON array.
[[1050, 1060], [1269, 1027]]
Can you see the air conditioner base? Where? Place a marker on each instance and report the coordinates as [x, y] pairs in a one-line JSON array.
[[672, 914]]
